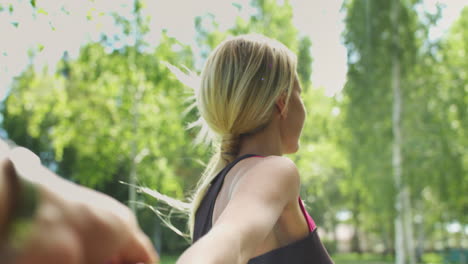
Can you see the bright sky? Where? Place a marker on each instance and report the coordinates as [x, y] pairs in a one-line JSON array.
[[319, 19]]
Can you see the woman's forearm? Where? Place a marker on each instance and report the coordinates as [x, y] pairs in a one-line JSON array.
[[220, 245]]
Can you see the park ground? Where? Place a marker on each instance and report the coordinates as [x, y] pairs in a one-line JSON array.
[[346, 259]]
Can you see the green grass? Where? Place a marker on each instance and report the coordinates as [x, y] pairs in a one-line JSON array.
[[339, 259], [430, 258], [363, 258], [166, 259]]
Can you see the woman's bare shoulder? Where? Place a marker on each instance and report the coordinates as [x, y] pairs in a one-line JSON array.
[[281, 162], [276, 174]]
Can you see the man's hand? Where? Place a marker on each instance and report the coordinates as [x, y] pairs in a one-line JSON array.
[[74, 224]]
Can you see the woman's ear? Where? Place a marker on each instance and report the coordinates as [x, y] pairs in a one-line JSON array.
[[281, 106]]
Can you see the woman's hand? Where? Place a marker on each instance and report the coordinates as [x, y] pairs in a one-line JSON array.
[[74, 224]]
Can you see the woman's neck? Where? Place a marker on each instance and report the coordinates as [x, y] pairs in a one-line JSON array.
[[266, 142]]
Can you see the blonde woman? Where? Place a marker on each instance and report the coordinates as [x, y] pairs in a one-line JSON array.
[[247, 207]]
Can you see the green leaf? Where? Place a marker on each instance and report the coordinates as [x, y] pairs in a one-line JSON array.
[[42, 11]]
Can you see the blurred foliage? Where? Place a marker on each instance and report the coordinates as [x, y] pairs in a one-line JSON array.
[[434, 137]]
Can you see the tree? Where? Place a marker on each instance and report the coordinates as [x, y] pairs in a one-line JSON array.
[[382, 51], [393, 62], [83, 118], [438, 127], [272, 20]]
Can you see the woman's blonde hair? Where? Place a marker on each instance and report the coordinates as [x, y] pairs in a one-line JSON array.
[[240, 83]]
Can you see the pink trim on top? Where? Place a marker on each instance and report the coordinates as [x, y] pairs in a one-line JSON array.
[[310, 221]]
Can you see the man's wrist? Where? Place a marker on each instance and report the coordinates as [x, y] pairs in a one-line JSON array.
[[21, 208], [4, 201], [8, 187]]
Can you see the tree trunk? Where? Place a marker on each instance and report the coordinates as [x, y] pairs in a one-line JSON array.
[[421, 234], [408, 222], [157, 235], [355, 242], [396, 156], [386, 241]]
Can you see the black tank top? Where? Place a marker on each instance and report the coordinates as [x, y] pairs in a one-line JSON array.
[[307, 250]]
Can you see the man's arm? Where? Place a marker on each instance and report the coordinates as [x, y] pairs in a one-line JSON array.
[[74, 224]]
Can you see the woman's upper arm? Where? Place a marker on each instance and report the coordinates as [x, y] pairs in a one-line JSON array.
[[257, 201]]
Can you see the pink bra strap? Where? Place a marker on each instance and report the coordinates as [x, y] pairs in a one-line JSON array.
[[310, 221]]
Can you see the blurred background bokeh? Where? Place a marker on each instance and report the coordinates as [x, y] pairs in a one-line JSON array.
[[384, 152]]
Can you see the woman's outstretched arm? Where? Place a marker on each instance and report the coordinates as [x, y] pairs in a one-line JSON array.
[[256, 203]]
